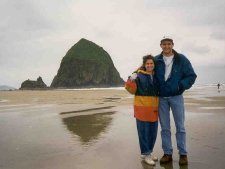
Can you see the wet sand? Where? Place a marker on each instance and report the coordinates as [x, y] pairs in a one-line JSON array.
[[72, 129]]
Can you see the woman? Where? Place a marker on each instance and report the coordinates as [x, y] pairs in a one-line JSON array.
[[142, 83]]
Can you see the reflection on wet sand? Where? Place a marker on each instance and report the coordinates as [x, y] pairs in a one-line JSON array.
[[146, 166], [163, 166], [88, 127], [170, 166], [87, 110], [167, 166]]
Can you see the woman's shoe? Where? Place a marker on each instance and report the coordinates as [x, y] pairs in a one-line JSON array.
[[149, 160], [143, 156], [154, 158]]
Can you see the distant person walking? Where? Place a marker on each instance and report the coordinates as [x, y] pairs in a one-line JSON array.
[[175, 74], [218, 85], [142, 83]]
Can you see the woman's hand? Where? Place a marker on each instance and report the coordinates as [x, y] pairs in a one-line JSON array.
[[133, 76]]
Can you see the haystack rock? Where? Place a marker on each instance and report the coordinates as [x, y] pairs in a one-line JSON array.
[[87, 65]]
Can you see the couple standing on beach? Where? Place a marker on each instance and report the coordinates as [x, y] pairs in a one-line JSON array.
[[158, 86]]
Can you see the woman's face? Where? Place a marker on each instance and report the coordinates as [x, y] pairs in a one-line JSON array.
[[149, 65]]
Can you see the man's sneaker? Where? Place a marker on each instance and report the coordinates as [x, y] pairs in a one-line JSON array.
[[149, 160], [166, 159], [183, 160], [154, 158]]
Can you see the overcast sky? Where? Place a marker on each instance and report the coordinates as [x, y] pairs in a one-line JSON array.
[[35, 35]]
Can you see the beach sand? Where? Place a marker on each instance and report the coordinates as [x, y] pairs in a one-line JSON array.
[[82, 129]]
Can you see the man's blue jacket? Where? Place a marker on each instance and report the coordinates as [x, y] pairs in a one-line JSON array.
[[182, 75]]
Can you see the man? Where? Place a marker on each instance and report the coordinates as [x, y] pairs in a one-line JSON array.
[[218, 86], [175, 75]]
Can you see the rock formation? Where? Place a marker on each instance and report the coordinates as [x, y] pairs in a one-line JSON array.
[[31, 84], [86, 65]]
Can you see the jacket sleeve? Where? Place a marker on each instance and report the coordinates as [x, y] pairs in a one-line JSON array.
[[131, 86], [189, 76], [156, 85]]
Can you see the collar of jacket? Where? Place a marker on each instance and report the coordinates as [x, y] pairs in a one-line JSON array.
[[144, 72], [176, 58]]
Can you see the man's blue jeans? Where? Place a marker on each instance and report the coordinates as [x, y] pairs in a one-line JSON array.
[[147, 133], [176, 104]]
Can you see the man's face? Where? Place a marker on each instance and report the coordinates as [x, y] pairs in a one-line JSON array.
[[167, 46]]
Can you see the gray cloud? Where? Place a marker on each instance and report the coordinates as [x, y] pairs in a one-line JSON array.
[[219, 35], [193, 48], [196, 12]]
